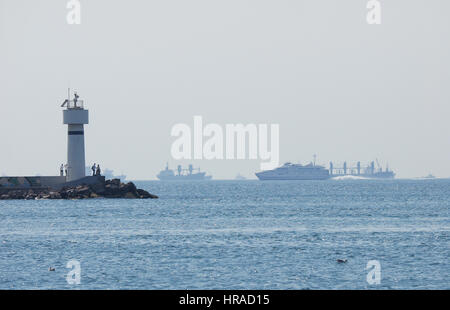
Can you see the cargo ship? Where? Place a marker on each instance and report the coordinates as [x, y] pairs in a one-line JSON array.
[[190, 174], [367, 172]]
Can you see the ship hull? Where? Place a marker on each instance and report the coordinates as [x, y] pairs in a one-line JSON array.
[[382, 175], [377, 175], [192, 177], [290, 178]]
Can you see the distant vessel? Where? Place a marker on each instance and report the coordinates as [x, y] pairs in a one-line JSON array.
[[430, 176], [291, 171], [108, 173], [183, 174], [240, 177]]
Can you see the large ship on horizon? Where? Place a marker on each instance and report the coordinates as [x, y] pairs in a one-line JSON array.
[[183, 174]]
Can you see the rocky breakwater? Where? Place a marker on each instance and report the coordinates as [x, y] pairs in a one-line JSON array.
[[109, 189]]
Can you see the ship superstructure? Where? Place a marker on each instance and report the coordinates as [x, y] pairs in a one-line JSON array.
[[190, 174], [367, 172]]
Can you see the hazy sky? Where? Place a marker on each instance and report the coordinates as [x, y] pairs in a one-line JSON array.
[[338, 87]]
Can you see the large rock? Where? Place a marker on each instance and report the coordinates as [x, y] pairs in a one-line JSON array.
[[109, 189], [146, 195]]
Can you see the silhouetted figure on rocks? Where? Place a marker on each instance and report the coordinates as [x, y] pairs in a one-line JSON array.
[[93, 168], [75, 100], [99, 171], [61, 170]]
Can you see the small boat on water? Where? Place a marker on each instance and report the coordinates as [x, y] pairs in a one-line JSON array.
[[240, 177], [429, 176], [108, 173]]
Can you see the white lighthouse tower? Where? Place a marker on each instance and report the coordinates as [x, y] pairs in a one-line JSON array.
[[75, 116]]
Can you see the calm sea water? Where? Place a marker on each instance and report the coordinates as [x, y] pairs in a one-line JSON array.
[[235, 235]]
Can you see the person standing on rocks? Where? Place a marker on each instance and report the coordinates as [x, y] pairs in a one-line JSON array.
[[93, 168], [66, 167], [98, 170], [75, 100], [61, 170]]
